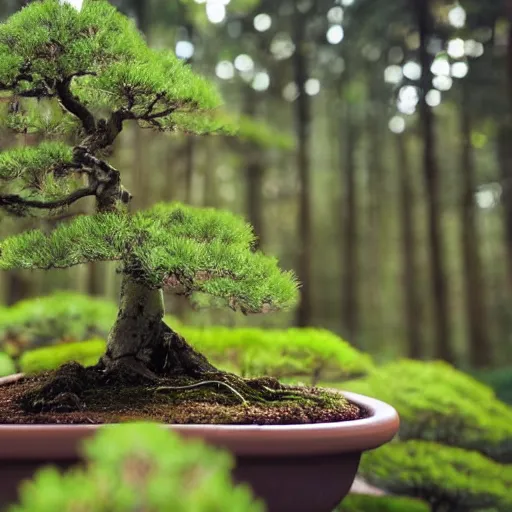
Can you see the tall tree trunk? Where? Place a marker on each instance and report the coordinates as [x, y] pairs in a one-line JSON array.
[[141, 176], [303, 126], [377, 224], [210, 194], [254, 173], [350, 260], [189, 161], [505, 153], [443, 345], [254, 197], [412, 302], [480, 349]]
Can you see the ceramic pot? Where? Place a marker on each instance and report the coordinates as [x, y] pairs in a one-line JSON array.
[[293, 468]]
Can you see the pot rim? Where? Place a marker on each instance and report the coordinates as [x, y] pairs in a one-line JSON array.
[[62, 442]]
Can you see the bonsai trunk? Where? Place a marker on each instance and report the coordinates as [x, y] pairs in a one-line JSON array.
[[141, 343]]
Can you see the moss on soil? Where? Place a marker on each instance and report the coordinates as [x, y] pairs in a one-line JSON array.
[[86, 396]]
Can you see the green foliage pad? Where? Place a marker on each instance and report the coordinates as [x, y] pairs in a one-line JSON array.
[[438, 403], [448, 477], [196, 251]]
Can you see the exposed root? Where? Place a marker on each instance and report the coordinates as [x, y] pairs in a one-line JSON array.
[[203, 383]]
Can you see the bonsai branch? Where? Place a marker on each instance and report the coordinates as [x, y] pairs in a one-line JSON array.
[[151, 106], [15, 200], [71, 103]]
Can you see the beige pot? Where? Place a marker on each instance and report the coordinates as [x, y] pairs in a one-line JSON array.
[[293, 468]]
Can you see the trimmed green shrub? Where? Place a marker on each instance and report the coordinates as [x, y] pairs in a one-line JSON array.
[[60, 317], [293, 353], [86, 353], [363, 503], [7, 366], [140, 467], [438, 403], [449, 479]]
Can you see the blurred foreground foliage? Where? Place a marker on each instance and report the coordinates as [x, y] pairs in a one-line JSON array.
[[363, 503], [129, 468]]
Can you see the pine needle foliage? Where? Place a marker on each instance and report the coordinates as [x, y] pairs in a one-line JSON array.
[[140, 467], [106, 54], [186, 249], [446, 477], [96, 67], [31, 164], [438, 403], [81, 75]]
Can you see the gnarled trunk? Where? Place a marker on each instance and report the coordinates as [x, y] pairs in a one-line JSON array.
[[412, 302], [143, 344]]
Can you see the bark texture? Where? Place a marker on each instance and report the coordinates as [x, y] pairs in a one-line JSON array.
[[141, 343]]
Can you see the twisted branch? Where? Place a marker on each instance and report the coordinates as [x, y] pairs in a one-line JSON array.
[[71, 104]]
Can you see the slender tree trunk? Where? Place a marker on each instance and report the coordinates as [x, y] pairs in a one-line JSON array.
[[303, 125], [377, 190], [254, 197], [254, 173], [141, 176], [350, 260], [480, 350], [412, 302], [443, 346], [505, 153], [96, 279], [189, 168]]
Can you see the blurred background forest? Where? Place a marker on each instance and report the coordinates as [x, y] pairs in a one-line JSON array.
[[387, 185]]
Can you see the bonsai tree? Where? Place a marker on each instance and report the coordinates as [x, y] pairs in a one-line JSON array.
[[76, 77], [129, 468]]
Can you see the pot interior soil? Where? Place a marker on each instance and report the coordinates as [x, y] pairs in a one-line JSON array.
[[77, 395]]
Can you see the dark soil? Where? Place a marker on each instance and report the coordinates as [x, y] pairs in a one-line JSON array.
[[77, 395]]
